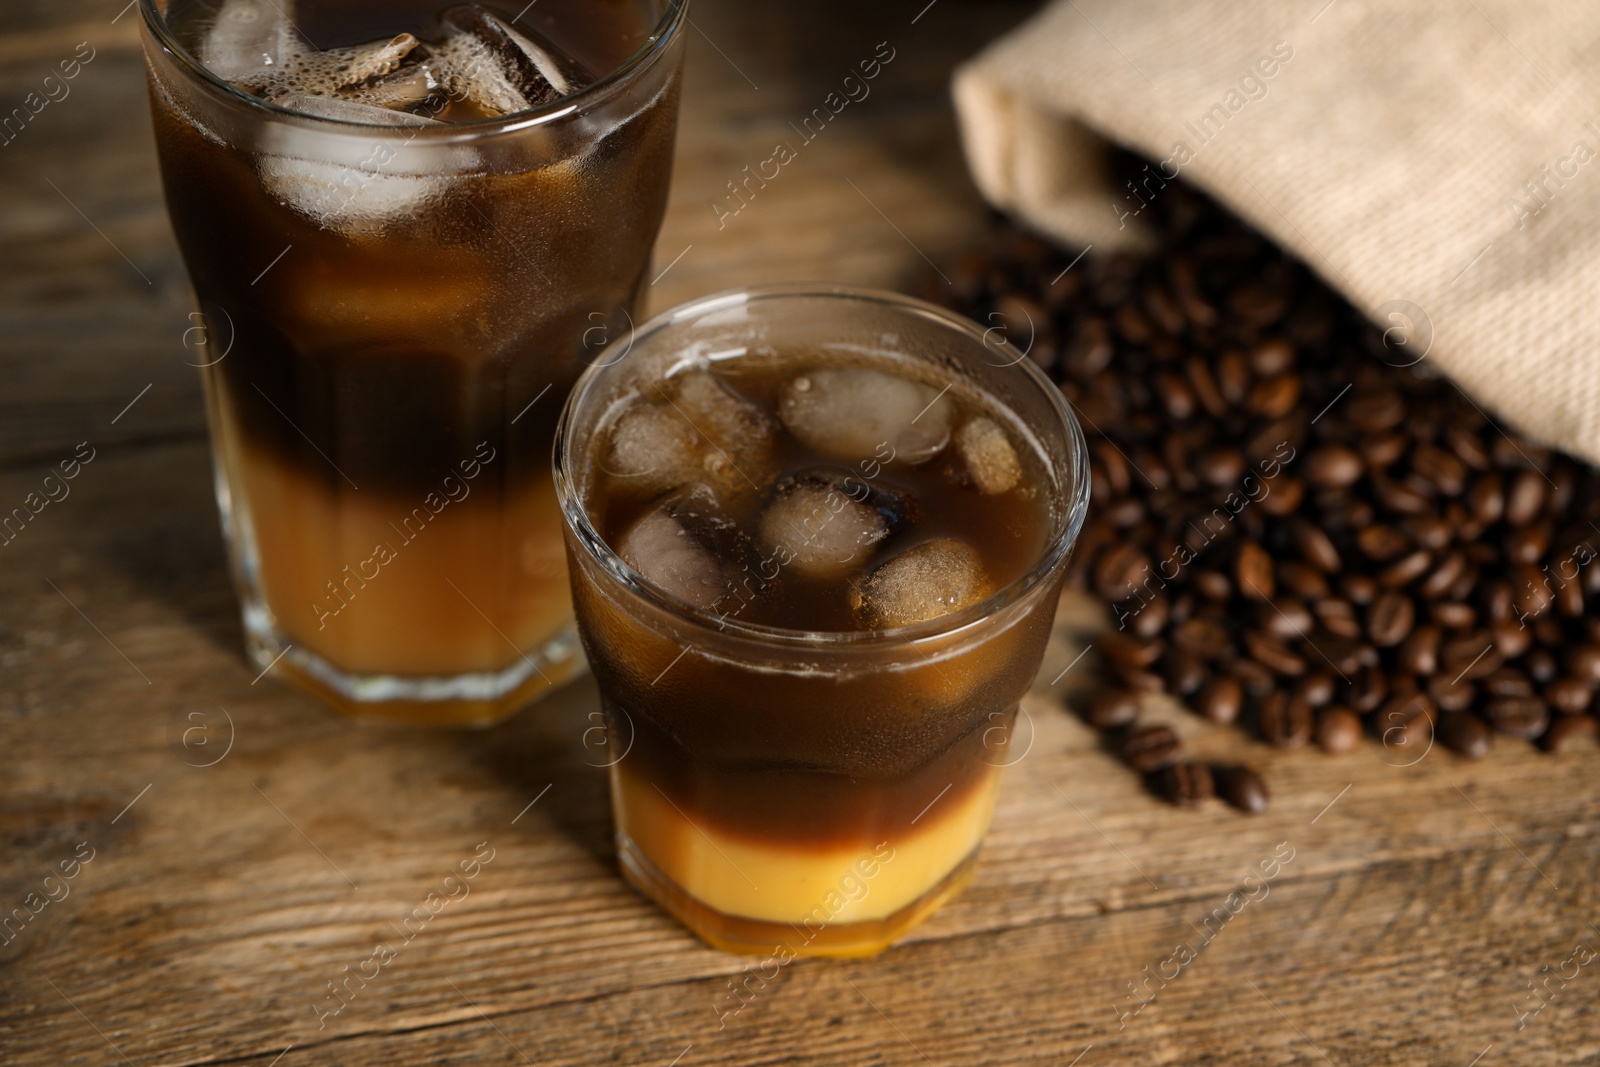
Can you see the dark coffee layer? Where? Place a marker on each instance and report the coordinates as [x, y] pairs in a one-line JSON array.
[[384, 351]]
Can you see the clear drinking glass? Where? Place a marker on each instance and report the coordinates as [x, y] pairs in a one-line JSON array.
[[809, 793], [390, 318]]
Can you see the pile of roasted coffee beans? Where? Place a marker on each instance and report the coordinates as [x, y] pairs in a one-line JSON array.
[[1297, 525]]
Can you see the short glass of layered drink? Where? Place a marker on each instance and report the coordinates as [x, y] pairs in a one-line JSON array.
[[816, 539], [410, 225]]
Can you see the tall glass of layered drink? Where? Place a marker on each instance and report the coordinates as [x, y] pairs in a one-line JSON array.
[[410, 224], [816, 538]]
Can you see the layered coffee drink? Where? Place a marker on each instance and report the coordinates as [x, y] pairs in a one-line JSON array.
[[410, 224], [814, 581]]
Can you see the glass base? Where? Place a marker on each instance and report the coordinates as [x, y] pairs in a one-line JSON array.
[[759, 937], [477, 699]]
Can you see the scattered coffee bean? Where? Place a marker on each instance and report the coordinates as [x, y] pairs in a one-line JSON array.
[[1242, 788], [1221, 699], [1187, 784], [1113, 708], [1403, 545], [1390, 619], [1524, 717], [1338, 729], [1464, 733], [1150, 748], [1286, 720], [1568, 729]]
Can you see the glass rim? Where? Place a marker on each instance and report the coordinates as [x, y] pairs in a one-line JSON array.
[[1053, 554], [666, 30]]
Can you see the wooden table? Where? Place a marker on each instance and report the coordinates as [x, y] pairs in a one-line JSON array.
[[220, 900]]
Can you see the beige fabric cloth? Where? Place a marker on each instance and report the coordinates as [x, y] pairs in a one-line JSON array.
[[1437, 161]]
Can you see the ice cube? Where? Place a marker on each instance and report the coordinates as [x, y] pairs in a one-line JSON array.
[[987, 456], [857, 414], [500, 69], [677, 546], [359, 64], [826, 524], [249, 43], [935, 578], [653, 445], [738, 435], [336, 183]]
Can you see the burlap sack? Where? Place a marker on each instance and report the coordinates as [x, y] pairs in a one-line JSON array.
[[1437, 161]]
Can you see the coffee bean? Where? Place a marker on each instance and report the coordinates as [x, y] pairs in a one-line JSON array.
[[1470, 656], [1150, 748], [1570, 696], [1443, 578], [1272, 356], [1381, 450], [1451, 695], [1390, 619], [1338, 729], [1221, 467], [1274, 654], [1125, 650], [1568, 730], [1283, 497], [1233, 376], [1360, 588], [1221, 699], [1444, 470], [1256, 679], [1467, 448], [1376, 411], [1176, 396], [1253, 570], [1532, 591], [1274, 397], [1510, 639], [1368, 689], [1398, 497], [1205, 387], [1186, 672], [1151, 618], [1120, 570], [1317, 688], [1465, 733], [1429, 531], [1487, 498], [1540, 665], [1382, 542], [1303, 580], [1453, 615], [1339, 616], [1406, 569], [1241, 788], [1213, 585], [1507, 682], [1569, 599], [1405, 724], [1188, 785], [1524, 717], [1419, 653], [1584, 662], [1529, 543], [1202, 636], [1286, 720], [1334, 466], [1315, 546], [1342, 654], [1141, 681], [1113, 708], [1526, 497], [1285, 618]]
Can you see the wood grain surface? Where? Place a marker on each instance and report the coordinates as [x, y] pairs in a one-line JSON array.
[[247, 846]]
